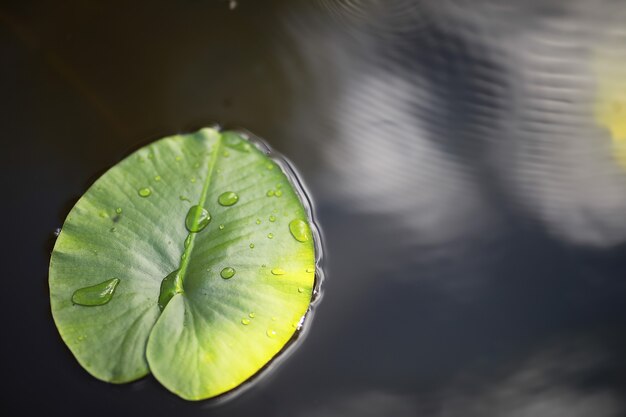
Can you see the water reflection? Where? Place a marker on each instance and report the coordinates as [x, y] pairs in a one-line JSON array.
[[480, 105]]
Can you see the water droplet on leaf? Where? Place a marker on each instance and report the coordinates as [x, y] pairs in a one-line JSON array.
[[197, 218], [228, 198], [278, 271], [144, 192], [300, 230], [96, 295], [227, 273], [171, 285]]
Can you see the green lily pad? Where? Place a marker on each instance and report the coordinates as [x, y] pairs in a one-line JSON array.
[[193, 259]]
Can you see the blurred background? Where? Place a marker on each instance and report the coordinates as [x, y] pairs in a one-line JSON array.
[[466, 160]]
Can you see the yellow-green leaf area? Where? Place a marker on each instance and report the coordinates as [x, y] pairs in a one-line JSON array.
[[191, 302]]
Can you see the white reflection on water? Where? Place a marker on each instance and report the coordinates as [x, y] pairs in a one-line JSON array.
[[483, 108], [550, 383]]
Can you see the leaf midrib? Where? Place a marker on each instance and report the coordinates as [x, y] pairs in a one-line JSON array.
[[205, 189]]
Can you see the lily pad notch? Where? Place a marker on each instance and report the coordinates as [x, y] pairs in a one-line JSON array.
[[196, 258]]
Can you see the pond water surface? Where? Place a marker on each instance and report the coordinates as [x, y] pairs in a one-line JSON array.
[[466, 160]]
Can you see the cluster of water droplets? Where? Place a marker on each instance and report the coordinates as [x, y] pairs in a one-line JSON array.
[[196, 220]]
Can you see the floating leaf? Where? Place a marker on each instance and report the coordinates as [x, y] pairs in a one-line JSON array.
[[195, 299]]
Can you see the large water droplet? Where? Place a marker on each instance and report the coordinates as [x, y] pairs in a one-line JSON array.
[[170, 286], [278, 271], [144, 192], [96, 295], [245, 321], [227, 273], [228, 198], [197, 218], [300, 230]]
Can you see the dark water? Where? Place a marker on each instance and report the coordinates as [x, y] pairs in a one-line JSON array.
[[466, 160]]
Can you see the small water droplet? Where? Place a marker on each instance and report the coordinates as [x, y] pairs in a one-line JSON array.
[[112, 229], [183, 198], [226, 154], [81, 338], [221, 226], [57, 231], [300, 289], [310, 270], [270, 332], [252, 315], [187, 241], [278, 271], [251, 245], [300, 230], [228, 198], [274, 318], [228, 272], [103, 214], [270, 193], [150, 155], [245, 321], [96, 295], [118, 210], [192, 179], [157, 178], [196, 165], [278, 193], [270, 235], [179, 158], [279, 186], [144, 192], [258, 221], [197, 219], [269, 166], [272, 218]]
